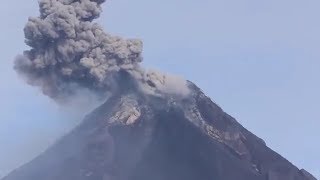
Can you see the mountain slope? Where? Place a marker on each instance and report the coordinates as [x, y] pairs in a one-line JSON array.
[[134, 136]]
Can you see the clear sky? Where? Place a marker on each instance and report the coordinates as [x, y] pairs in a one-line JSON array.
[[259, 60]]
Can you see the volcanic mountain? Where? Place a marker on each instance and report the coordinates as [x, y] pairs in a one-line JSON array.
[[138, 136]]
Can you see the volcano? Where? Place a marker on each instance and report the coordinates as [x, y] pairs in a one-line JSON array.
[[137, 136]]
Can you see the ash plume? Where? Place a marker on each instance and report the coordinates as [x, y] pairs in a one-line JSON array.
[[70, 51]]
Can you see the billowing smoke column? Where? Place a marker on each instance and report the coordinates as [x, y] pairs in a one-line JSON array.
[[69, 50]]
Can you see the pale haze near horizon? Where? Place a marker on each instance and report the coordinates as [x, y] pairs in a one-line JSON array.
[[259, 60]]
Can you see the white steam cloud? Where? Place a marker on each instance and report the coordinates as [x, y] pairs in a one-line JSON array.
[[157, 83], [69, 50]]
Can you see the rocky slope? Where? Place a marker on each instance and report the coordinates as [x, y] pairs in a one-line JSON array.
[[134, 136]]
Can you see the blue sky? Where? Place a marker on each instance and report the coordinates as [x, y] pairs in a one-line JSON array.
[[259, 60]]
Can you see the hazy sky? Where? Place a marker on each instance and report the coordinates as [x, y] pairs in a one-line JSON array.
[[259, 60]]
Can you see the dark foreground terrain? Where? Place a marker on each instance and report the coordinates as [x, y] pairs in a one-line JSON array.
[[134, 136]]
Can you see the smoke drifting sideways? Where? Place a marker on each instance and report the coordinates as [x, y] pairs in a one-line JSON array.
[[69, 51]]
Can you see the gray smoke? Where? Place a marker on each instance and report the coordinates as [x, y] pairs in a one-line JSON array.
[[70, 51]]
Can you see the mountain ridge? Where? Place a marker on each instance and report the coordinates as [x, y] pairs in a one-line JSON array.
[[135, 136]]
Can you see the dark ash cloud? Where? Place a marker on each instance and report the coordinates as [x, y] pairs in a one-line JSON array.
[[68, 48], [70, 51]]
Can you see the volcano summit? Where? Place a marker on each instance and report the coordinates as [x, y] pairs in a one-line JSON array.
[[136, 136]]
